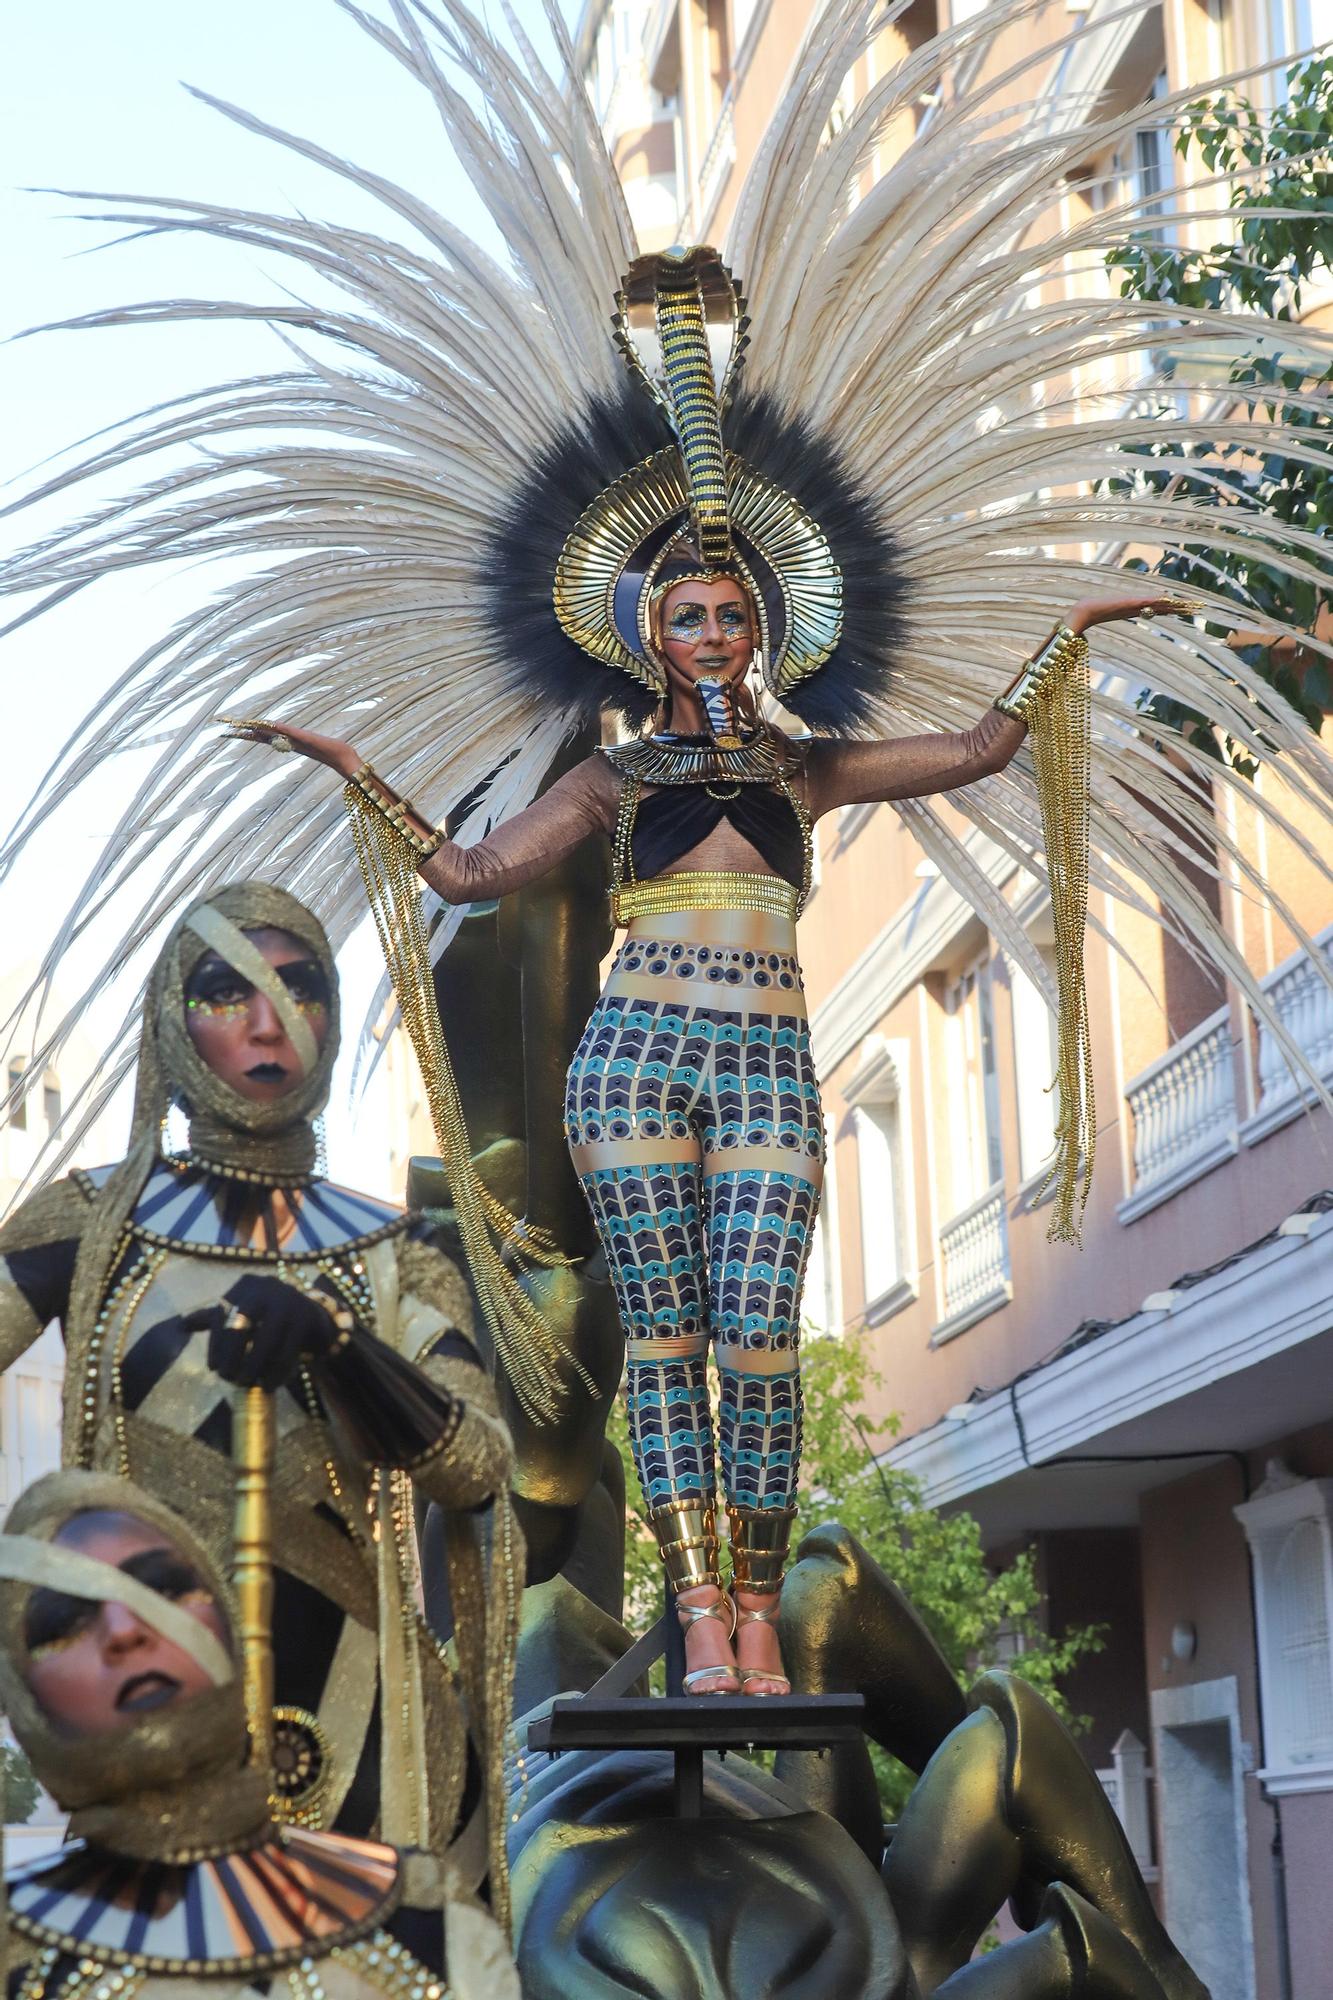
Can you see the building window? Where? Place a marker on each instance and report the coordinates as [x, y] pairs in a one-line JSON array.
[[1288, 27], [972, 1084], [51, 1105], [1289, 1524], [18, 1117], [821, 1311], [1224, 41], [879, 1167], [742, 13], [880, 1120], [1035, 1051]]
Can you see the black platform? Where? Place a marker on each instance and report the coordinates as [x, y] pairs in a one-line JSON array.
[[606, 1719], [690, 1724]]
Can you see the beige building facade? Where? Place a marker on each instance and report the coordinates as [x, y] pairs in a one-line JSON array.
[[1154, 1412]]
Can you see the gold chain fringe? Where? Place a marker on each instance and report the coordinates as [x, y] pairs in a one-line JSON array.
[[1058, 712], [531, 1352]]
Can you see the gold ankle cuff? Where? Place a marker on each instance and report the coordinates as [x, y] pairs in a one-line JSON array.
[[686, 1533], [760, 1539]]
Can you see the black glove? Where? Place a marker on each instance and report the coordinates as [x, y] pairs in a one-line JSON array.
[[262, 1331]]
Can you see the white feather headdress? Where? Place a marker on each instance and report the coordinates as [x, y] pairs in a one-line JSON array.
[[918, 334]]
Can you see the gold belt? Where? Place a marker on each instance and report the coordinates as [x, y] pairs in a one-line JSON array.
[[705, 891]]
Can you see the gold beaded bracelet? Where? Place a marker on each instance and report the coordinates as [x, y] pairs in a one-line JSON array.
[[1063, 650], [397, 811]]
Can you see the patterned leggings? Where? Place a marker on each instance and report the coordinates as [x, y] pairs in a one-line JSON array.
[[694, 1122]]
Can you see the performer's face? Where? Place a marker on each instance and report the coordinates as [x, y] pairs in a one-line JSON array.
[[708, 628], [94, 1666], [238, 1031]]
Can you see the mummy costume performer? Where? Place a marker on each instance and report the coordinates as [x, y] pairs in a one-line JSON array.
[[148, 1264], [121, 1679], [593, 482]]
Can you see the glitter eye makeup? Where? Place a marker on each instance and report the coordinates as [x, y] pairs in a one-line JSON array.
[[219, 994], [216, 1010], [688, 619]]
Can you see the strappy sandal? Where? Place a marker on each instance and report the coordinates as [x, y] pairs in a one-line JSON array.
[[748, 1674], [692, 1614], [686, 1531]]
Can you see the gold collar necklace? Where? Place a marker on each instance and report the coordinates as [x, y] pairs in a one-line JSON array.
[[700, 760]]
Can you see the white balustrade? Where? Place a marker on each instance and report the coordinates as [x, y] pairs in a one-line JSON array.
[[718, 158], [1126, 1782], [974, 1256], [1184, 1108], [1303, 1001]]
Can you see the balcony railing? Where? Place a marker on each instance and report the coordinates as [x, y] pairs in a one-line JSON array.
[[1304, 1005], [974, 1259], [1184, 1111], [1127, 1783], [716, 161]]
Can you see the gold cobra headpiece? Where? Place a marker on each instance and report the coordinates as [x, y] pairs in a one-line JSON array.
[[680, 324]]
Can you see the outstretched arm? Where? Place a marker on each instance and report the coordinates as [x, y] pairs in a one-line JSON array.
[[911, 767], [582, 802]]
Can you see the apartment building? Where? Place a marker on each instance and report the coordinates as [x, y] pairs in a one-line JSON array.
[[1154, 1412]]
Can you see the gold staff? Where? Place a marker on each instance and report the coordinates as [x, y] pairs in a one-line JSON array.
[[256, 1436]]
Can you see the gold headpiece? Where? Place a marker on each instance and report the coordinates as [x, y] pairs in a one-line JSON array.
[[680, 324]]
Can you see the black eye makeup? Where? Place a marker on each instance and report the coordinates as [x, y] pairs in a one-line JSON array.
[[56, 1620], [306, 983]]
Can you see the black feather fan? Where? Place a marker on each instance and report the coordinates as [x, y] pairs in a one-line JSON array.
[[616, 434]]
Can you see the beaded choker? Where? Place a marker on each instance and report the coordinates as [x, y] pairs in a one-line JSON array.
[[701, 760], [222, 1170]]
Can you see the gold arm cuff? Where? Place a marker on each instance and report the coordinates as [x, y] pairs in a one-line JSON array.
[[686, 1532], [705, 891], [1064, 650], [760, 1539], [399, 812]]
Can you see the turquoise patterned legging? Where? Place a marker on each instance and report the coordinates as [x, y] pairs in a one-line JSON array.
[[694, 1121]]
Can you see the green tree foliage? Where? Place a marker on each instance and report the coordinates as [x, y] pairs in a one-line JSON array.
[[1281, 173], [979, 1616], [20, 1787]]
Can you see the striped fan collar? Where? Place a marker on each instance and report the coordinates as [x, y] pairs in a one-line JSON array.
[[297, 1894], [189, 1207]]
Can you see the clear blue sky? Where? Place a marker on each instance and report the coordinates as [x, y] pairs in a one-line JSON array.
[[91, 99]]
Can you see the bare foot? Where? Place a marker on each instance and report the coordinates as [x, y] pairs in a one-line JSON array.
[[708, 1643], [758, 1653]]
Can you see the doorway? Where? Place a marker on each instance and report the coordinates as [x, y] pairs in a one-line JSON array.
[[1200, 1765]]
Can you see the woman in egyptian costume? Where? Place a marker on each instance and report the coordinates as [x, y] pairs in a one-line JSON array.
[[126, 1659], [176, 1276], [592, 490]]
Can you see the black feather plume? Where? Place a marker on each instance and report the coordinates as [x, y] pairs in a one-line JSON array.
[[806, 463], [616, 433], [518, 571]]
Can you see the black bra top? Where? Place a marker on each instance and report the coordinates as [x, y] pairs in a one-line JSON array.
[[675, 819]]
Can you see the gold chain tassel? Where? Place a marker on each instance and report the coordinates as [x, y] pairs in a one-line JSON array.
[[530, 1351], [1059, 719]]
